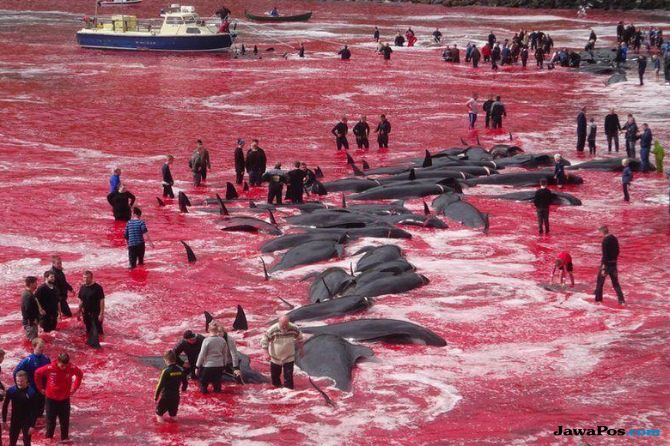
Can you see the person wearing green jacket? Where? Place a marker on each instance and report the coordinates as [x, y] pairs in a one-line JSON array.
[[659, 154]]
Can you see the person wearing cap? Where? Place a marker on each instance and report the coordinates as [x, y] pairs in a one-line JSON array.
[[190, 346], [559, 170], [239, 161]]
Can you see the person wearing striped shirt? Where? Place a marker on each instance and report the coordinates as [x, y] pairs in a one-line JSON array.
[[281, 342], [135, 230]]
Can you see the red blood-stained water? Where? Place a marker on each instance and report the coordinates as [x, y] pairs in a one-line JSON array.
[[520, 361]]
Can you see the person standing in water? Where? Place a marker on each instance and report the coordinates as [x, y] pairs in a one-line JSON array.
[[608, 265], [167, 180], [382, 131], [135, 230], [239, 161], [166, 395], [340, 131], [473, 108], [542, 200], [281, 342]]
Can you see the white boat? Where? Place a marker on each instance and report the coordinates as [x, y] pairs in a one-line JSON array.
[[180, 31]]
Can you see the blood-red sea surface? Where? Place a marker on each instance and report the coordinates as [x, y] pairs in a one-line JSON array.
[[520, 361]]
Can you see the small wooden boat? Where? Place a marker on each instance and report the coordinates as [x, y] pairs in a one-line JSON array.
[[118, 2], [280, 18]]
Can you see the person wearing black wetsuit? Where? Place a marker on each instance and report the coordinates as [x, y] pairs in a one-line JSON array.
[[121, 201], [542, 200], [92, 303], [608, 265], [62, 284], [487, 108], [375, 35], [189, 346], [167, 181], [345, 53], [382, 131], [48, 298], [340, 131], [167, 391], [296, 184], [23, 402], [612, 129], [255, 163], [386, 51], [362, 131], [239, 161], [497, 113], [30, 310], [581, 129]]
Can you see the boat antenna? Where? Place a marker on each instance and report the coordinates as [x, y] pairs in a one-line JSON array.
[[95, 14]]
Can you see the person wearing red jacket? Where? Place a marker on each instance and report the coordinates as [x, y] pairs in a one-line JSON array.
[[58, 390]]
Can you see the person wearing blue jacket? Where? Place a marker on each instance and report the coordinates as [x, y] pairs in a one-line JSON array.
[[646, 139], [29, 364], [115, 181], [626, 178]]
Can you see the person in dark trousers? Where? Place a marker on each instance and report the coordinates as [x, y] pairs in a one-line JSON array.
[[626, 178], [29, 365], [539, 58], [239, 161], [641, 68], [646, 139], [282, 342], [497, 113], [296, 183], [487, 108], [383, 129], [591, 138], [612, 129], [340, 131], [524, 56], [218, 351], [190, 346], [196, 163], [475, 56], [55, 381], [437, 36], [134, 233], [23, 402], [608, 265], [122, 202], [386, 51], [345, 53], [62, 285], [559, 171], [48, 298], [256, 163], [542, 200], [167, 180], [30, 309], [91, 303], [301, 50], [276, 179], [631, 135], [581, 129], [491, 39], [473, 109], [375, 35], [399, 39], [362, 131], [115, 180], [166, 395], [204, 155]]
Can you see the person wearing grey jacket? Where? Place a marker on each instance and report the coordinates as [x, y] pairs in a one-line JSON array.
[[217, 353]]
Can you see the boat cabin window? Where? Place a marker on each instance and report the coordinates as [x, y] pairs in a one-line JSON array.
[[189, 19], [174, 21], [192, 31]]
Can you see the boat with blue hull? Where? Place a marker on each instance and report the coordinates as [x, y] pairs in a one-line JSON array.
[[181, 30]]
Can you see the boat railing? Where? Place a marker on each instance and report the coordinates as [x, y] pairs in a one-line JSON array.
[[132, 24]]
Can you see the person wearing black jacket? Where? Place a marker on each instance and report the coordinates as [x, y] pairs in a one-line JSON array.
[[608, 265], [345, 53], [189, 346], [612, 129], [206, 164], [362, 131], [23, 401], [276, 179], [492, 39], [167, 391], [631, 136], [399, 39], [487, 108], [48, 298], [255, 163], [386, 51], [382, 131], [296, 184], [542, 200], [641, 67], [475, 56], [497, 113], [167, 181], [30, 310], [581, 129], [62, 285], [340, 131], [239, 161], [92, 303], [121, 201]]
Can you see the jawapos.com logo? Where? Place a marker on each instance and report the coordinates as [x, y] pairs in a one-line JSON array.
[[606, 430]]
